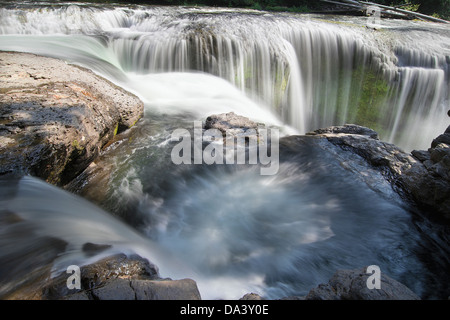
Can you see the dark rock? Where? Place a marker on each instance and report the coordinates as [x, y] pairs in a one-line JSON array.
[[103, 271], [184, 289], [347, 129], [126, 289], [421, 155], [439, 152], [352, 285], [55, 117], [115, 289], [92, 249], [122, 277], [443, 138], [422, 177]]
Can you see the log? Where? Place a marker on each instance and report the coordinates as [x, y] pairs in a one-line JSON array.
[[406, 12], [395, 11]]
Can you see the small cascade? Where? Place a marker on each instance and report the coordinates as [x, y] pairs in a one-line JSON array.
[[309, 72]]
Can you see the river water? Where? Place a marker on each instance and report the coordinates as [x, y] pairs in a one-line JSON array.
[[231, 229]]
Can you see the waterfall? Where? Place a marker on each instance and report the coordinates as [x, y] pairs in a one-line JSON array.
[[309, 72], [233, 230]]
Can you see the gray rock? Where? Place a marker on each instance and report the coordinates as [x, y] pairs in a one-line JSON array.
[[347, 129], [103, 271], [122, 277], [115, 289], [125, 289], [352, 285], [421, 155], [55, 117], [440, 151], [228, 122], [183, 289], [443, 138]]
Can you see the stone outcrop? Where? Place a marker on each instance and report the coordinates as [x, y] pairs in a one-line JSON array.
[[55, 118], [422, 176]]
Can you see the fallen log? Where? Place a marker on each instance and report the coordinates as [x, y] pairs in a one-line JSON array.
[[395, 12], [406, 12]]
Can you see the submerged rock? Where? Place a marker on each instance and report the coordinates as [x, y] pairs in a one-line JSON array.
[[55, 117]]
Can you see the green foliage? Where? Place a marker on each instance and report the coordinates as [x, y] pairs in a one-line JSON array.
[[408, 5]]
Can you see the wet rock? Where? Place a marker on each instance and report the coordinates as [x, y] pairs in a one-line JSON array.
[[92, 249], [230, 122], [352, 285], [122, 277], [422, 176], [443, 138], [183, 289], [347, 129], [98, 274], [55, 117], [421, 155], [125, 289]]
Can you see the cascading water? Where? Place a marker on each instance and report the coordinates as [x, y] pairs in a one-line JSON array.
[[308, 72], [234, 230]]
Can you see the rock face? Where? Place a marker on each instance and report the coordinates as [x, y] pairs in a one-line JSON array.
[[55, 118], [422, 176], [120, 277], [352, 285]]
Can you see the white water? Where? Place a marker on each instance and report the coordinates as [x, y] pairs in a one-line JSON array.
[[300, 68], [235, 231]]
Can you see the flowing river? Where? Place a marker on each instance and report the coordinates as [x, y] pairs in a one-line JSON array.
[[229, 228]]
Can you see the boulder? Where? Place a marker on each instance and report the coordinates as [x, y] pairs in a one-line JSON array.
[[352, 285], [94, 275], [121, 277], [347, 129], [230, 122], [125, 289], [55, 117]]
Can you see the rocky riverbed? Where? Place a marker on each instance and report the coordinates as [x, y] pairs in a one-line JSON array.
[[55, 119]]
